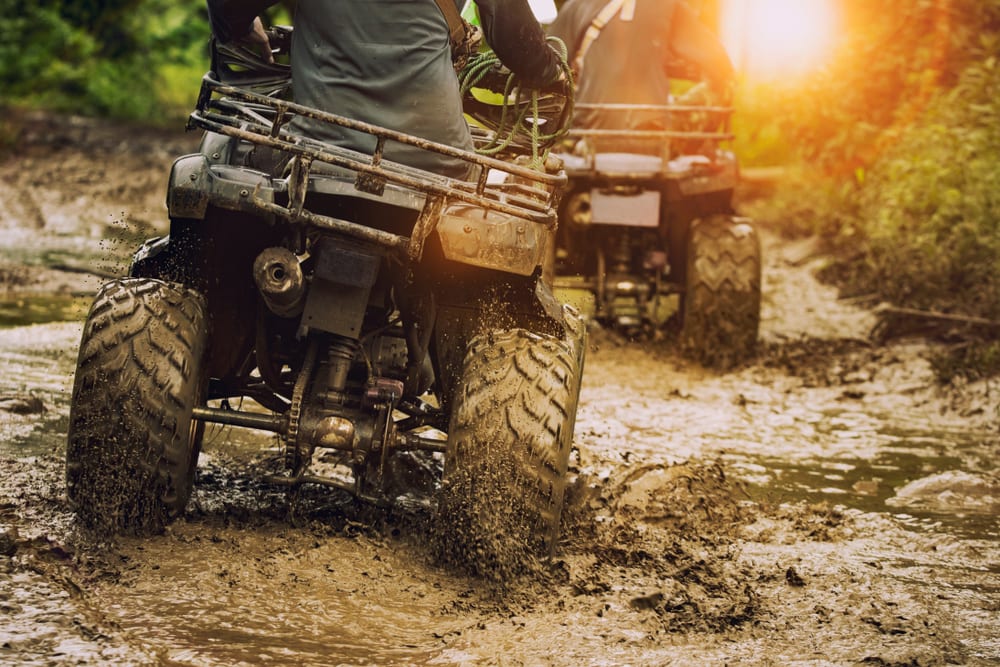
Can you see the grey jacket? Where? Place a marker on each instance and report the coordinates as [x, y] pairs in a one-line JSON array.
[[388, 62], [630, 62]]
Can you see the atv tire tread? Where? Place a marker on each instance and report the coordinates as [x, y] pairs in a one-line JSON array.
[[721, 304], [509, 443], [131, 450]]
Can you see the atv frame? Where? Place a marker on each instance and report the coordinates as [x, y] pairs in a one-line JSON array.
[[369, 309]]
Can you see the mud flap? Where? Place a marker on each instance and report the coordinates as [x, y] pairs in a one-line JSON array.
[[338, 296], [551, 306]]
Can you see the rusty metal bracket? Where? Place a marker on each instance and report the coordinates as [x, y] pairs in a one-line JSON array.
[[428, 219], [280, 116], [298, 185], [371, 182]]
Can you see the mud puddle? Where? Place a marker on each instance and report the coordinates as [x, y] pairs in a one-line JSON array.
[[36, 378], [757, 517], [298, 597]]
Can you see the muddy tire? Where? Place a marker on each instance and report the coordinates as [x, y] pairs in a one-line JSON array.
[[133, 447], [508, 448], [721, 304]]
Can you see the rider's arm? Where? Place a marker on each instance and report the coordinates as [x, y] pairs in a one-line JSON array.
[[694, 42], [512, 31], [234, 19]]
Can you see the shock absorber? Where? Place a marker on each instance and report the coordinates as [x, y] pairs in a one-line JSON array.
[[622, 257], [339, 357]]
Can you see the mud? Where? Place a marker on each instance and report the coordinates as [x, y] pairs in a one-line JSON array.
[[826, 504]]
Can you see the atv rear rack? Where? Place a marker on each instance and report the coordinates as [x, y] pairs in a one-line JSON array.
[[494, 185], [663, 139]]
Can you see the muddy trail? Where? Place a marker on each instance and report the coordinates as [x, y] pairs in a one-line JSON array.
[[827, 503]]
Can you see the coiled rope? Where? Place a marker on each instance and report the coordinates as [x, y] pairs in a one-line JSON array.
[[519, 114]]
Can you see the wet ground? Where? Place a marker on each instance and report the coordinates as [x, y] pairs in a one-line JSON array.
[[826, 504]]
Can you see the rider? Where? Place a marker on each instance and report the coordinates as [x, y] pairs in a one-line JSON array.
[[623, 52], [389, 64]]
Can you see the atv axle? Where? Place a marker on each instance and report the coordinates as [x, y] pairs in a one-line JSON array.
[[279, 424], [274, 423]]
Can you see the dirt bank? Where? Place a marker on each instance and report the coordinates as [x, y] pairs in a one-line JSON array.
[[826, 504]]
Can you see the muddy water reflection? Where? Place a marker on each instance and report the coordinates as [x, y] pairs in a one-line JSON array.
[[855, 448], [297, 598], [37, 361], [43, 309], [42, 626], [965, 499]]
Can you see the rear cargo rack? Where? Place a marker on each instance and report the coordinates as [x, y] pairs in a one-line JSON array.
[[675, 117], [716, 115], [494, 185]]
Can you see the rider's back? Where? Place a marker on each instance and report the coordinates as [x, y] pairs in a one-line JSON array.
[[628, 61], [386, 63]]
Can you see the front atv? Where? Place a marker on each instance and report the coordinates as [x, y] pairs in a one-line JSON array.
[[648, 229], [358, 309]]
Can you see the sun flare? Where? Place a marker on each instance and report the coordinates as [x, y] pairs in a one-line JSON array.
[[773, 38]]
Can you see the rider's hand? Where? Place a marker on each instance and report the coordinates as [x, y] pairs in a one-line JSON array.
[[257, 40]]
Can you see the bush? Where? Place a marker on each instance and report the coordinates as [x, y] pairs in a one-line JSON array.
[[895, 59], [99, 57], [898, 150], [931, 206]]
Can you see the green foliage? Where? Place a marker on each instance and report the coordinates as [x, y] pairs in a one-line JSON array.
[[895, 57], [760, 139], [899, 147], [932, 205], [136, 59], [99, 57]]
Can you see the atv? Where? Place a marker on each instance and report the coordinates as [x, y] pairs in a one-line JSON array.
[[649, 232], [360, 310]]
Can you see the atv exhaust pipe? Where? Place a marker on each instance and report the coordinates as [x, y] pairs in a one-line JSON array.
[[279, 278]]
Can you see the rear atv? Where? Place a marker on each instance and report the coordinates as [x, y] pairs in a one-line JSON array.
[[652, 236], [721, 303]]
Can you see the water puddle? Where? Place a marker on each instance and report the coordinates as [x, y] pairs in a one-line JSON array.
[[74, 253], [928, 479], [24, 311], [41, 624], [36, 371], [870, 486]]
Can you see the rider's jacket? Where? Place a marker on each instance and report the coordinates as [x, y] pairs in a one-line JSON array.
[[388, 62], [628, 48]]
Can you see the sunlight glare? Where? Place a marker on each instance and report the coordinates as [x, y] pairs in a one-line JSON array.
[[774, 38]]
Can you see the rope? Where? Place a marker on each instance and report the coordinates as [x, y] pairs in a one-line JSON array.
[[518, 115]]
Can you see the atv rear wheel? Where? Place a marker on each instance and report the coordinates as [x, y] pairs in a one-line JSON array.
[[721, 303], [133, 446], [508, 447]]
